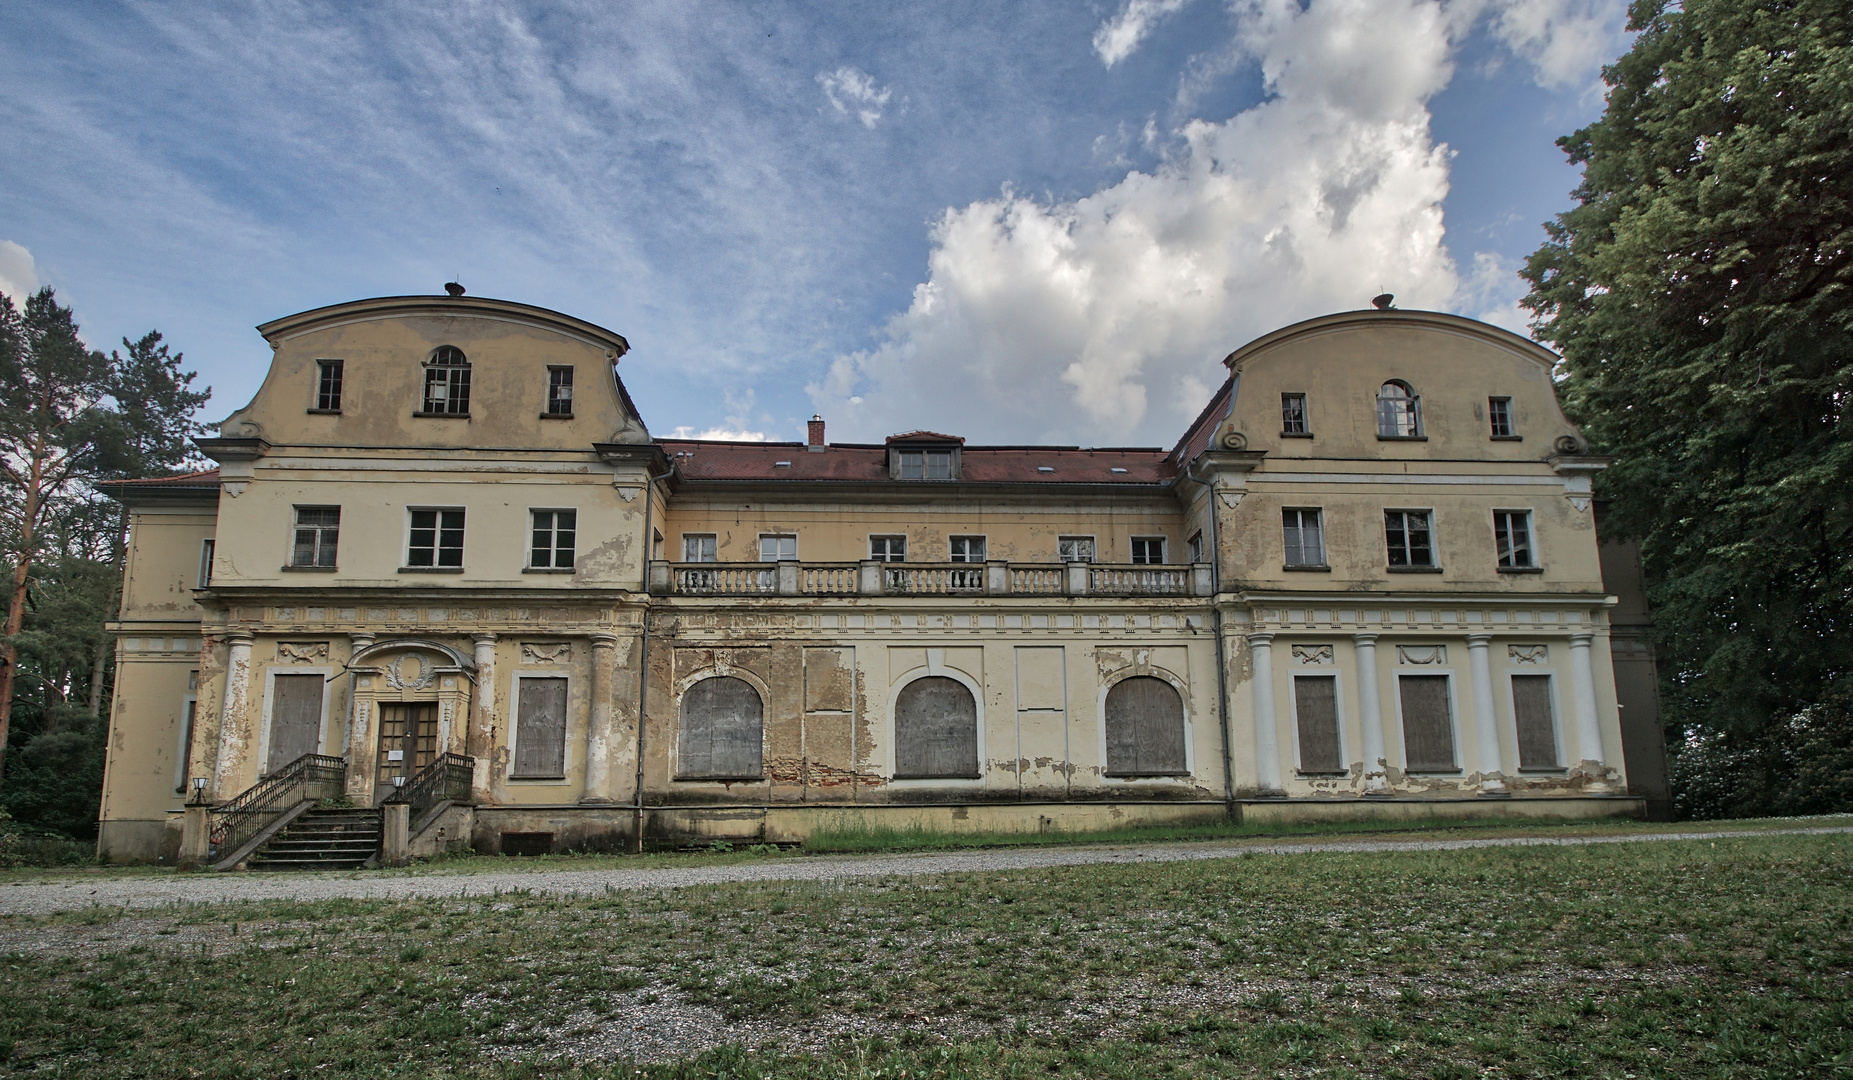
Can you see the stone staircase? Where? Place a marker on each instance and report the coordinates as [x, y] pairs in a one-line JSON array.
[[322, 840]]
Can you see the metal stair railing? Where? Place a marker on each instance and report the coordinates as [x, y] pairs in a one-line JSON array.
[[447, 779], [311, 776]]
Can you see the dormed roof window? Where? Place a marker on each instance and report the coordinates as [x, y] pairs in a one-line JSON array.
[[447, 383], [924, 455]]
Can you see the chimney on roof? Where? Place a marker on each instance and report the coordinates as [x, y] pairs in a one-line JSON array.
[[815, 442]]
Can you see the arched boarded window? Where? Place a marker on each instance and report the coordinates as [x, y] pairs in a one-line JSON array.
[[935, 730], [1145, 728], [722, 725], [1399, 411]]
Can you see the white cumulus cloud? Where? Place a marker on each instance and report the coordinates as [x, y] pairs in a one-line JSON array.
[[1116, 38], [853, 92], [19, 275]]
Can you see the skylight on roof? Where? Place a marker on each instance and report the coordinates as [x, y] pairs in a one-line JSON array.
[[781, 464], [1045, 468], [1116, 468]]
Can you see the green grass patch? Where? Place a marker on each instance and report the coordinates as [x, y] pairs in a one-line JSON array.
[[1722, 958]]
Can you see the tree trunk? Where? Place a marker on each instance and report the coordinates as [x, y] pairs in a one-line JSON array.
[[16, 605]]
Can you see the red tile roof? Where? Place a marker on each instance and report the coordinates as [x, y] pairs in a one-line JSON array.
[[699, 460], [202, 479], [1197, 437], [925, 436]]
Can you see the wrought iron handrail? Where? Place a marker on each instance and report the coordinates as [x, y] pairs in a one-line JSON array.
[[447, 779], [311, 776]]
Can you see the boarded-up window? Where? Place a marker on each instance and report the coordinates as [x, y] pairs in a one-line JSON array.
[[1537, 735], [295, 718], [1145, 728], [1315, 708], [540, 729], [722, 738], [935, 730], [1428, 724]]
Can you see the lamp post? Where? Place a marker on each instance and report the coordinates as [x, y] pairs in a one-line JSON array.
[[199, 790]]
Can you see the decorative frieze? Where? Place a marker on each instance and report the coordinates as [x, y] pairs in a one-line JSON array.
[[1312, 654], [410, 672], [302, 652], [1528, 654], [1422, 655], [546, 652]]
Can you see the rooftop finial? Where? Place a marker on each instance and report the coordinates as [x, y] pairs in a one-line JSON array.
[[1383, 301], [453, 288]]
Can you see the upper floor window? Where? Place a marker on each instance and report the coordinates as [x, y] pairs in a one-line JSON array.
[[778, 547], [554, 536], [436, 539], [925, 464], [1194, 546], [1075, 548], [965, 548], [559, 391], [1304, 531], [447, 382], [1399, 411], [328, 385], [317, 530], [1293, 414], [888, 548], [698, 547], [1512, 536], [205, 562], [1148, 549], [1411, 541], [1499, 412]]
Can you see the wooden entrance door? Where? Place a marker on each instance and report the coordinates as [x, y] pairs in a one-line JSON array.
[[408, 740]]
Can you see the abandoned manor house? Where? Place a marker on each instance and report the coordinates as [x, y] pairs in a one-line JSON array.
[[444, 588]]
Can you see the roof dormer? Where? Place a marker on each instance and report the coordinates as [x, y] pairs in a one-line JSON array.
[[924, 455]]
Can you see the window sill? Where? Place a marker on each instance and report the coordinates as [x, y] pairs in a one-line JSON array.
[[1381, 437], [441, 415], [556, 416], [1543, 770], [938, 776], [1307, 568], [1412, 569], [324, 412], [546, 569], [1507, 438], [722, 779], [1145, 775], [1434, 772], [542, 779], [431, 569], [1296, 434], [309, 569], [1521, 569], [1322, 772]]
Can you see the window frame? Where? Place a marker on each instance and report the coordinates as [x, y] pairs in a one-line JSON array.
[[454, 376], [1500, 415], [1093, 548], [554, 385], [1193, 547], [1501, 543], [1432, 548], [1294, 426], [894, 730], [1323, 671], [1287, 560], [1454, 719], [436, 566], [714, 541], [514, 730], [315, 561], [778, 557], [553, 534], [688, 685], [888, 554], [1186, 732], [924, 458], [330, 370], [1408, 408], [1133, 545], [964, 558], [208, 546]]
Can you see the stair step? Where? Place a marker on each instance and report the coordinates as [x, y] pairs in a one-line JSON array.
[[322, 840]]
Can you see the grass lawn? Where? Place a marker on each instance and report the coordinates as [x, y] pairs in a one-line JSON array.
[[1731, 957]]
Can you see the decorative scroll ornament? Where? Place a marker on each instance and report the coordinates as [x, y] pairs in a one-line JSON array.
[[1422, 654], [1528, 654], [302, 652], [1234, 440], [1312, 654], [1569, 444], [410, 672], [546, 652]]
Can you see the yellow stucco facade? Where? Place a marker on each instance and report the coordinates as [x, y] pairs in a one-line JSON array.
[[1369, 574]]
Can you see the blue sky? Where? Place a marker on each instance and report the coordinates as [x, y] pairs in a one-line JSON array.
[[1019, 222]]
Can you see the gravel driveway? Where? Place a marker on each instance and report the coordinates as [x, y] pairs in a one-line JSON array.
[[76, 894]]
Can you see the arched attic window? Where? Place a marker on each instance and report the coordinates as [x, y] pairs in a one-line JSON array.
[[1399, 411], [723, 731], [935, 730], [447, 383]]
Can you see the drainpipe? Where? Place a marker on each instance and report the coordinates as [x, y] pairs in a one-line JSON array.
[[643, 648]]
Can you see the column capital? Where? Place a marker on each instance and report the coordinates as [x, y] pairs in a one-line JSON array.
[[1479, 641], [483, 638], [361, 638], [603, 639], [1582, 638], [1366, 640], [1261, 637], [238, 637]]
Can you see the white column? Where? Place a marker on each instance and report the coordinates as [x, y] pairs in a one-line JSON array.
[[481, 741], [1485, 720], [1588, 719], [1267, 746], [599, 734], [362, 747], [1370, 715], [233, 739]]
